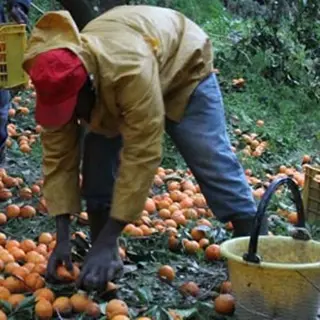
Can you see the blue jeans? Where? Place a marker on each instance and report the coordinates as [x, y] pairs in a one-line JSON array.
[[201, 138], [4, 108], [4, 101]]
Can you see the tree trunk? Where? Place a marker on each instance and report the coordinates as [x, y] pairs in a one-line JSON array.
[[106, 5], [80, 10]]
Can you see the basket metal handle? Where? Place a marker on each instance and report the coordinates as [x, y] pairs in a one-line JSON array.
[[251, 255]]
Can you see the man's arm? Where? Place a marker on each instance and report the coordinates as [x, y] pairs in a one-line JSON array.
[[139, 97], [141, 102], [61, 158]]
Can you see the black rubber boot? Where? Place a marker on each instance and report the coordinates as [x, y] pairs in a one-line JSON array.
[[97, 220], [243, 227]]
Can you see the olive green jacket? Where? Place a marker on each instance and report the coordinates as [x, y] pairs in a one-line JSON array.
[[146, 61]]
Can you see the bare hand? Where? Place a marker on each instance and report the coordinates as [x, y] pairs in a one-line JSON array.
[[61, 255], [101, 265]]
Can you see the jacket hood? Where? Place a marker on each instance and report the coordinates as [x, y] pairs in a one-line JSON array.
[[54, 30]]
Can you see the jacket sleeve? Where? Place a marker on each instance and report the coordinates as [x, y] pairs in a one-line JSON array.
[[61, 160], [141, 102]]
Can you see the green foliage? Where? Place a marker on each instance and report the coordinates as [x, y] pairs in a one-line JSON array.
[[275, 48]]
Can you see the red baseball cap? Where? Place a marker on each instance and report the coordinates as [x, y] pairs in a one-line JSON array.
[[57, 75]]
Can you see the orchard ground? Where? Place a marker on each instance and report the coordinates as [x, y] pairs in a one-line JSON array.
[[173, 266]]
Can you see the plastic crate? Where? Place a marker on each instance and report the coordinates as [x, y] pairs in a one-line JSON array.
[[311, 194], [13, 41]]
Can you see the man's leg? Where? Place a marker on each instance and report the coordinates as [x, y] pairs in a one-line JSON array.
[[202, 139], [99, 168], [4, 108]]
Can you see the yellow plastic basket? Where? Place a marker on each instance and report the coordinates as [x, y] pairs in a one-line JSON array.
[[311, 194], [13, 41], [279, 278]]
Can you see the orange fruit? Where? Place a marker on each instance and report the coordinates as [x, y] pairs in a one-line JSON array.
[[5, 194], [197, 234], [40, 268], [93, 310], [146, 230], [3, 239], [191, 247], [6, 257], [1, 265], [34, 281], [173, 243], [11, 112], [25, 193], [27, 212], [306, 159], [35, 257], [203, 243], [171, 223], [45, 238], [16, 299], [174, 185], [190, 213], [79, 302], [226, 287], [260, 123], [213, 252], [10, 266], [14, 285], [120, 317], [132, 230], [27, 245], [12, 243], [44, 293], [12, 211], [10, 182], [63, 306], [42, 249], [3, 316], [24, 110], [4, 293], [167, 272], [38, 128], [186, 203], [111, 286], [18, 254], [3, 219], [29, 266], [44, 309], [224, 304], [149, 205], [190, 288], [116, 307], [83, 217], [164, 214], [35, 189], [179, 218], [20, 272], [293, 217], [67, 276], [25, 148]]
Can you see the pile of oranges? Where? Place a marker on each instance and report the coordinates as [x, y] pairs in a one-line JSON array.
[[180, 206]]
